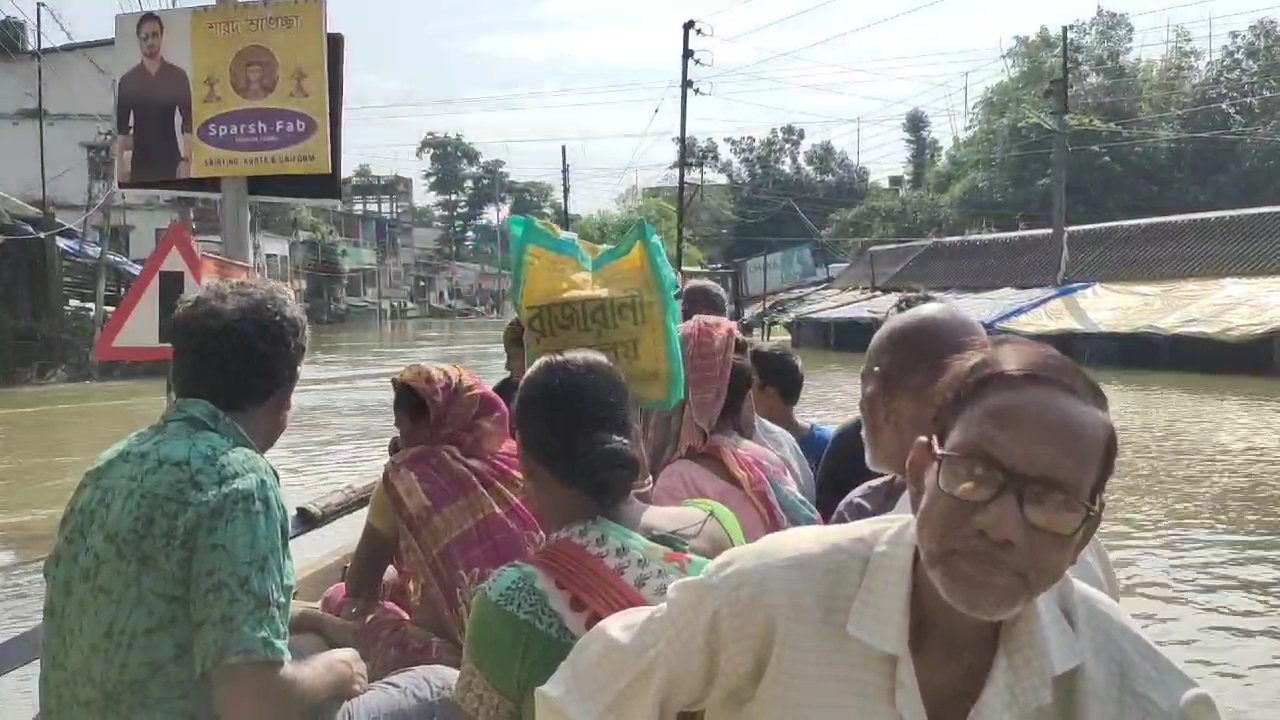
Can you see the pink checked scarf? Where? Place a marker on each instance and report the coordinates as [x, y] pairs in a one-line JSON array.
[[708, 346], [458, 500]]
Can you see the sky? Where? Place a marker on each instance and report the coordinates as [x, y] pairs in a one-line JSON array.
[[519, 78]]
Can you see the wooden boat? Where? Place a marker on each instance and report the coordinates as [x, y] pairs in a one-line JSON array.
[[319, 575], [313, 579]]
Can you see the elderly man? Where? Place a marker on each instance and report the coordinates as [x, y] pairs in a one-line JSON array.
[[704, 297], [905, 362], [963, 610]]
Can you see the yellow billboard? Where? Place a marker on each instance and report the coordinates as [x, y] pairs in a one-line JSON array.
[[259, 89]]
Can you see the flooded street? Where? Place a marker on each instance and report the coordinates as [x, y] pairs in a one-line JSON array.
[[1191, 521]]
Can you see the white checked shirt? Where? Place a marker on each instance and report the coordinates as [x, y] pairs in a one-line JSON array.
[[788, 450], [812, 623]]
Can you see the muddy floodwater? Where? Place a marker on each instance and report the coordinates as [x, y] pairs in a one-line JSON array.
[[1192, 522]]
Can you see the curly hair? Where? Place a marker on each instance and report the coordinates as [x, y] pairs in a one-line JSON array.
[[237, 343]]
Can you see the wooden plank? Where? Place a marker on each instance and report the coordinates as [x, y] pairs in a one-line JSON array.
[[21, 650], [24, 649]]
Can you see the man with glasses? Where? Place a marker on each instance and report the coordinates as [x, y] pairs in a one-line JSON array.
[[962, 610], [905, 362]]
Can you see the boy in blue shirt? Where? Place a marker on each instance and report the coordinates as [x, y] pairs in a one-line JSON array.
[[779, 380]]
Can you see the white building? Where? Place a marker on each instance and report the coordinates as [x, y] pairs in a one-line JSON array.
[[79, 106]]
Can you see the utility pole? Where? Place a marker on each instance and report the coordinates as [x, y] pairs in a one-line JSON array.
[[858, 145], [564, 184], [236, 237], [685, 56], [52, 255], [966, 100], [1059, 89], [497, 228]]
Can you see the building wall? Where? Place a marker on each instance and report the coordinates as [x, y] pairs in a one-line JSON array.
[[78, 103]]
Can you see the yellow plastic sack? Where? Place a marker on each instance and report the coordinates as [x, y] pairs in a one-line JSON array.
[[618, 299]]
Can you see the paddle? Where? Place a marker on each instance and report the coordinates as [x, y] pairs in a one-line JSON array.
[[23, 649]]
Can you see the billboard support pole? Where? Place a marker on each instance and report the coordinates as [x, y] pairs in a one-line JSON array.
[[236, 242]]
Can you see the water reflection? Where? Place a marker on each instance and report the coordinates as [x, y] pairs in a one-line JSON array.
[[1190, 523]]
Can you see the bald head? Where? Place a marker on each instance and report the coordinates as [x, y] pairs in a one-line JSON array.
[[919, 341], [703, 297], [907, 357]]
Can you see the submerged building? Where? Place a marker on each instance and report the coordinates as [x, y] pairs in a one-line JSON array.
[[1197, 292]]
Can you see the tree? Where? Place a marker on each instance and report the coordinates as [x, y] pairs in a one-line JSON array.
[[609, 226], [424, 216], [923, 150], [452, 167], [890, 214], [363, 170], [1149, 137], [533, 198], [778, 187]]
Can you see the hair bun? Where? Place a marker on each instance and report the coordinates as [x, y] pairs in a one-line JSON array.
[[611, 466]]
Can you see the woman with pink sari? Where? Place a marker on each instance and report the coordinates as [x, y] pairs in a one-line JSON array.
[[448, 512], [713, 457]]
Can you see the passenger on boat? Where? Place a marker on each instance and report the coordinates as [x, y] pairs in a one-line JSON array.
[[450, 510], [963, 610], [662, 430], [169, 585], [779, 380], [844, 464], [605, 551], [513, 346], [907, 357], [905, 361], [714, 458]]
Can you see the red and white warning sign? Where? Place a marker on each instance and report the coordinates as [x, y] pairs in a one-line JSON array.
[[138, 330]]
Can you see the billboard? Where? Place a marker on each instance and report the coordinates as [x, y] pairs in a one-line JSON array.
[[220, 91], [778, 271]]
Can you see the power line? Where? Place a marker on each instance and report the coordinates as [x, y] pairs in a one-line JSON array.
[[781, 20], [837, 36]]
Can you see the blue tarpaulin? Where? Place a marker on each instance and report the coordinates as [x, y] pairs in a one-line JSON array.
[[87, 251], [988, 307]]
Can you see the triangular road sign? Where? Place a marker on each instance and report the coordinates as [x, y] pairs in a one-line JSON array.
[[138, 329]]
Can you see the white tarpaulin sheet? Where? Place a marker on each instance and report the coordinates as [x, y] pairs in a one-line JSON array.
[[1229, 309]]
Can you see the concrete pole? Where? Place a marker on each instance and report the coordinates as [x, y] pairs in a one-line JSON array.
[[236, 237]]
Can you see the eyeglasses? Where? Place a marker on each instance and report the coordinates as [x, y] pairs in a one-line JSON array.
[[980, 481]]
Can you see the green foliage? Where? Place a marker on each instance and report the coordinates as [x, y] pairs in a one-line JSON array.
[[1149, 137], [607, 226], [775, 182], [890, 214], [469, 189], [923, 151], [534, 199]]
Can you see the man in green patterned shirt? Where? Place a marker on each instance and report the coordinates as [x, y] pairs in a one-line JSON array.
[[169, 586]]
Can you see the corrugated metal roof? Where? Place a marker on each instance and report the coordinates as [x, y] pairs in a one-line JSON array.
[[830, 299], [1233, 243], [986, 307], [878, 264]]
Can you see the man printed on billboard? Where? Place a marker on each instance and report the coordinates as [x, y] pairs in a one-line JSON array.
[[147, 99]]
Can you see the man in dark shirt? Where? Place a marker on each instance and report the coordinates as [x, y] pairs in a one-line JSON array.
[[843, 467], [147, 98]]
